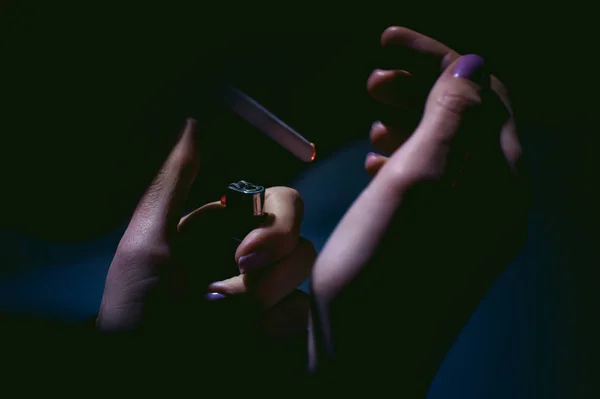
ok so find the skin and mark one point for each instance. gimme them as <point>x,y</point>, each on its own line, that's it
<point>148,289</point>
<point>155,227</point>
<point>443,215</point>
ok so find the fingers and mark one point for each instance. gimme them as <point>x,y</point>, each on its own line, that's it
<point>401,95</point>
<point>160,208</point>
<point>424,58</point>
<point>426,52</point>
<point>453,101</point>
<point>455,93</point>
<point>207,214</point>
<point>387,139</point>
<point>392,87</point>
<point>417,62</point>
<point>278,237</point>
<point>374,162</point>
<point>269,285</point>
<point>266,244</point>
<point>422,158</point>
<point>206,249</point>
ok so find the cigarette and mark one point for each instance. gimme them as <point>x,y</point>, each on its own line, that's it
<point>258,116</point>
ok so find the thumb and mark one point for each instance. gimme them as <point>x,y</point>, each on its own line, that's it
<point>453,104</point>
<point>159,210</point>
<point>145,246</point>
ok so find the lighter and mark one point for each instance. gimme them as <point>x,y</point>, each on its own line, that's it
<point>244,203</point>
<point>244,211</point>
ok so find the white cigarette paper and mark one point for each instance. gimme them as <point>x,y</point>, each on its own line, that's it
<point>259,117</point>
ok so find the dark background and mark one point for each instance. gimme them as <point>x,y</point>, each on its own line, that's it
<point>93,96</point>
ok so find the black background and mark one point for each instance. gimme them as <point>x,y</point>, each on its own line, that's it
<point>93,96</point>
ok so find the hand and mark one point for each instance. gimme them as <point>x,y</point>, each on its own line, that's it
<point>148,288</point>
<point>443,215</point>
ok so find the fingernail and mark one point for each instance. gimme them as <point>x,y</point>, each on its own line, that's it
<point>253,261</point>
<point>214,296</point>
<point>472,67</point>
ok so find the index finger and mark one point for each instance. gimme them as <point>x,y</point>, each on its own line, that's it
<point>276,238</point>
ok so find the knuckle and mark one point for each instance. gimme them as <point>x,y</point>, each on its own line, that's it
<point>288,193</point>
<point>291,196</point>
<point>457,102</point>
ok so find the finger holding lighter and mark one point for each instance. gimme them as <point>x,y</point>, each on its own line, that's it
<point>147,286</point>
<point>263,245</point>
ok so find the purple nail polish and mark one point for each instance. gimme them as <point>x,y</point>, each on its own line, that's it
<point>253,261</point>
<point>472,67</point>
<point>214,296</point>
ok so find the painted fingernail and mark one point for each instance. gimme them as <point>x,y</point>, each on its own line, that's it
<point>252,261</point>
<point>472,67</point>
<point>214,296</point>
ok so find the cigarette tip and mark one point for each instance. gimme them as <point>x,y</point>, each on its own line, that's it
<point>314,152</point>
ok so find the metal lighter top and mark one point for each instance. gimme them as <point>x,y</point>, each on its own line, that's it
<point>245,199</point>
